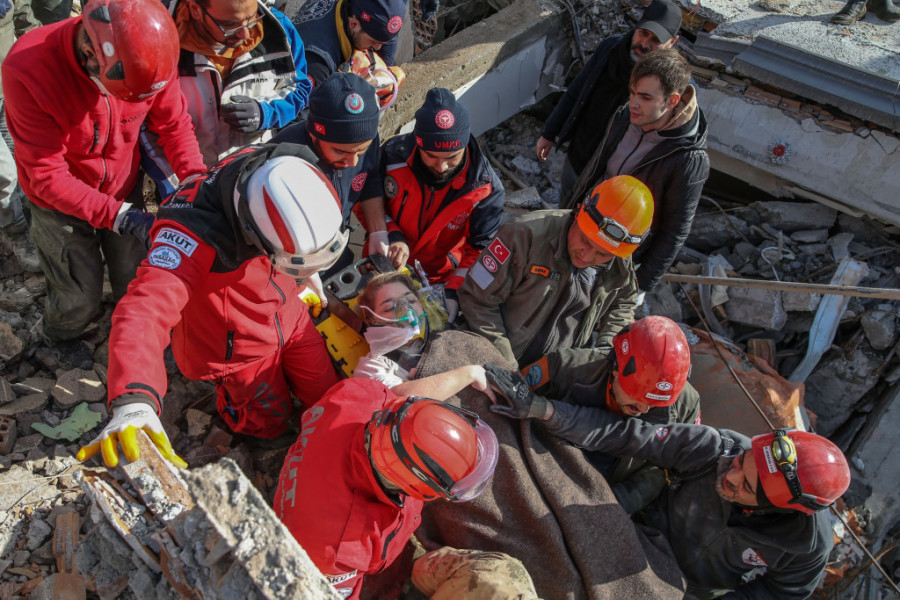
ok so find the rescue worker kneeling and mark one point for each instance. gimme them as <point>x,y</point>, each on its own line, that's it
<point>645,376</point>
<point>229,250</point>
<point>745,516</point>
<point>380,456</point>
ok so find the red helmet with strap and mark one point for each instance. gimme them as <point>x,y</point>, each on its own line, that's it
<point>652,360</point>
<point>136,44</point>
<point>800,470</point>
<point>430,449</point>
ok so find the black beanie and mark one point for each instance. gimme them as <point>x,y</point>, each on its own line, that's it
<point>343,109</point>
<point>442,124</point>
<point>380,19</point>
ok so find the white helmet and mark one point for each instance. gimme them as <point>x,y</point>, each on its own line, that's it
<point>296,215</point>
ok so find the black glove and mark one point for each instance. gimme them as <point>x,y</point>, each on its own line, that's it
<point>429,9</point>
<point>242,113</point>
<point>137,223</point>
<point>521,402</point>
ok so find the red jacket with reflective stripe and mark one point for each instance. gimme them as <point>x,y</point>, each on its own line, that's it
<point>445,228</point>
<point>219,297</point>
<point>327,494</point>
<point>76,147</point>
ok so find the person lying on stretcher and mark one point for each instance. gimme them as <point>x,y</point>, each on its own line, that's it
<point>398,328</point>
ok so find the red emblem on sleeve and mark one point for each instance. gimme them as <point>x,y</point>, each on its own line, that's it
<point>499,250</point>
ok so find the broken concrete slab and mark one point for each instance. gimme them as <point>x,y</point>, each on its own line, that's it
<point>835,388</point>
<point>76,386</point>
<point>8,435</point>
<point>25,404</point>
<point>225,542</point>
<point>34,385</point>
<point>800,301</point>
<point>810,236</point>
<point>11,345</point>
<point>795,216</point>
<point>711,231</point>
<point>756,307</point>
<point>527,198</point>
<point>880,326</point>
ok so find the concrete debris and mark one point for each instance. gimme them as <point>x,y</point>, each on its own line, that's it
<point>11,346</point>
<point>25,404</point>
<point>835,388</point>
<point>7,435</point>
<point>527,198</point>
<point>224,541</point>
<point>795,216</point>
<point>756,307</point>
<point>880,326</point>
<point>77,386</point>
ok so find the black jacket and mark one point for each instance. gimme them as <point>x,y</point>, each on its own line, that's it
<point>719,546</point>
<point>675,171</point>
<point>560,125</point>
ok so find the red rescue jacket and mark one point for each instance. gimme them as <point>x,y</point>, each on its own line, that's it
<point>328,496</point>
<point>76,147</point>
<point>445,228</point>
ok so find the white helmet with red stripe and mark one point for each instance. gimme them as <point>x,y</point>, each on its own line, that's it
<point>296,214</point>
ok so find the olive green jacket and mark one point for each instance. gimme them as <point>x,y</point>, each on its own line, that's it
<point>510,292</point>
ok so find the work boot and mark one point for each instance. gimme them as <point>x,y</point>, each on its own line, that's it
<point>852,12</point>
<point>885,10</point>
<point>16,239</point>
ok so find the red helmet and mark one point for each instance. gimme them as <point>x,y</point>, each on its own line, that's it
<point>136,44</point>
<point>431,449</point>
<point>800,470</point>
<point>653,360</point>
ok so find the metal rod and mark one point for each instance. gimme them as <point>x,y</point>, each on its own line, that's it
<point>787,286</point>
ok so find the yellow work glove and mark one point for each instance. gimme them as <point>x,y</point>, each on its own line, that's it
<point>122,430</point>
<point>314,295</point>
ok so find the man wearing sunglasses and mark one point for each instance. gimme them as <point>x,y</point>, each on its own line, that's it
<point>560,278</point>
<point>243,74</point>
<point>353,485</point>
<point>745,517</point>
<point>659,137</point>
<point>220,283</point>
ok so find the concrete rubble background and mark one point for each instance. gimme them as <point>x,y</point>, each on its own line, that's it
<point>48,411</point>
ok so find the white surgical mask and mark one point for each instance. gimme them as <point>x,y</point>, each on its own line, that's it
<point>387,338</point>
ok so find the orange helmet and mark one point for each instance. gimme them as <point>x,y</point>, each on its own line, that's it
<point>653,360</point>
<point>136,43</point>
<point>617,214</point>
<point>800,470</point>
<point>431,449</point>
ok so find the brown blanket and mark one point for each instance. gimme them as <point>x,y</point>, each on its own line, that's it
<point>546,505</point>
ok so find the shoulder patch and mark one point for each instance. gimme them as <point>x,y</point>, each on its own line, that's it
<point>390,187</point>
<point>164,257</point>
<point>358,182</point>
<point>539,270</point>
<point>490,263</point>
<point>184,243</point>
<point>480,275</point>
<point>537,373</point>
<point>499,250</point>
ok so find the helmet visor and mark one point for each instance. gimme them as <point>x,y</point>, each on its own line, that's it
<point>303,266</point>
<point>472,485</point>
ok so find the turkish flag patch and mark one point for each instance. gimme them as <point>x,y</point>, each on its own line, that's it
<point>319,128</point>
<point>499,250</point>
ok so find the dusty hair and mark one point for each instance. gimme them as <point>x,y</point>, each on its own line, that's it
<point>672,68</point>
<point>367,298</point>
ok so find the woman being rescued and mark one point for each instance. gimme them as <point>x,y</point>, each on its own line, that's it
<point>398,327</point>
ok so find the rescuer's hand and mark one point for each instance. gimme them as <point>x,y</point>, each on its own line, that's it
<point>136,222</point>
<point>399,254</point>
<point>242,113</point>
<point>378,242</point>
<point>517,401</point>
<point>122,430</point>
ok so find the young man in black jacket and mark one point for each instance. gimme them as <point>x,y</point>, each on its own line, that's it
<point>600,88</point>
<point>658,137</point>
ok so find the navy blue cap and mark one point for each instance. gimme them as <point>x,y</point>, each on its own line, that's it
<point>442,124</point>
<point>380,19</point>
<point>343,109</point>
